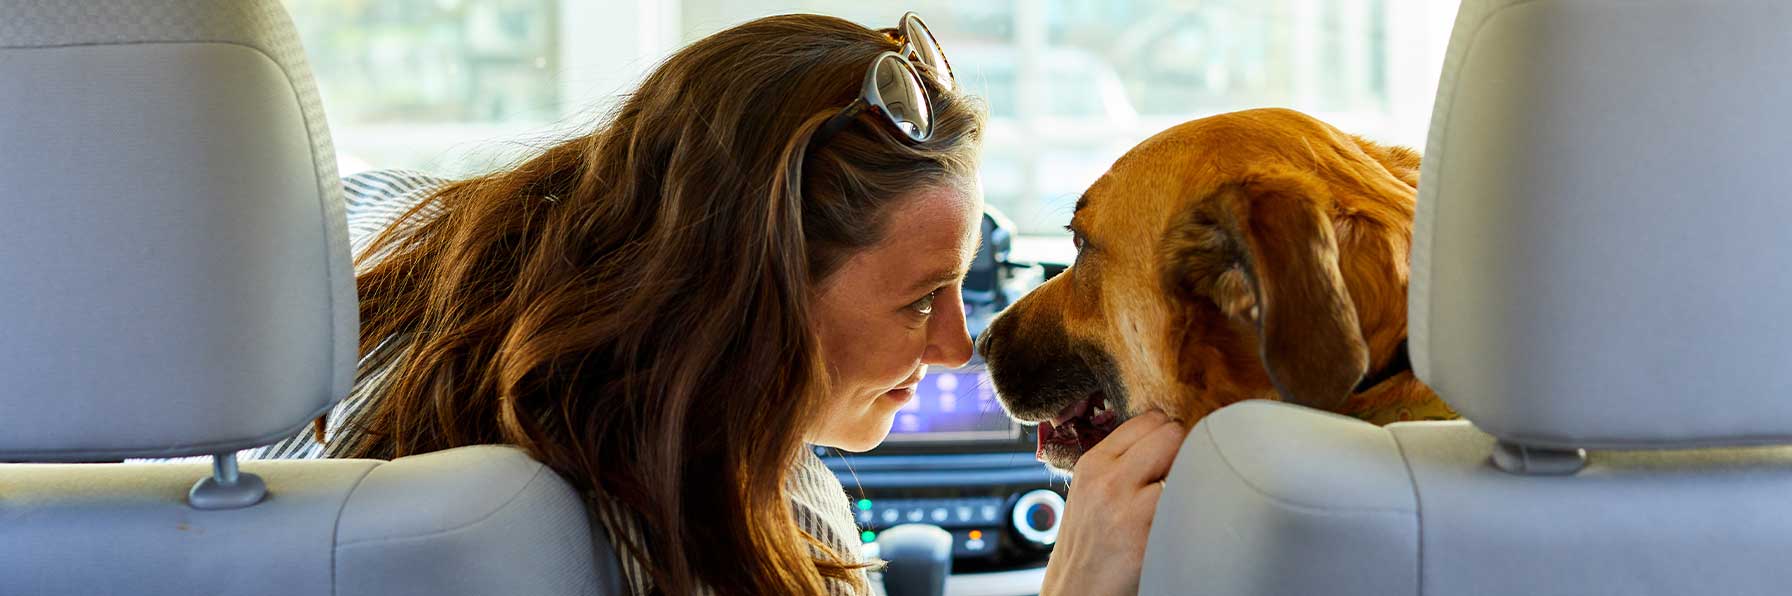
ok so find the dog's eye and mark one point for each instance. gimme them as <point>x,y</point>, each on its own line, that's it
<point>1076,239</point>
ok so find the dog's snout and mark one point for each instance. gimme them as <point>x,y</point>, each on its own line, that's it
<point>1033,364</point>
<point>988,341</point>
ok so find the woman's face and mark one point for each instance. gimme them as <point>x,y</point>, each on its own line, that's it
<point>894,308</point>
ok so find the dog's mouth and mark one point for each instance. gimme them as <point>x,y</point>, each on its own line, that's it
<point>1069,388</point>
<point>1076,429</point>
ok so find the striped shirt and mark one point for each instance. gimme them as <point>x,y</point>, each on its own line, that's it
<point>375,200</point>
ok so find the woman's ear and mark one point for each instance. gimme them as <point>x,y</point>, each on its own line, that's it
<point>1262,249</point>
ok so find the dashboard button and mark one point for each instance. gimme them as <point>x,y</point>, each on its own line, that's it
<point>974,542</point>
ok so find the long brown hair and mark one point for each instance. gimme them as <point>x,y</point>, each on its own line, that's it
<point>632,307</point>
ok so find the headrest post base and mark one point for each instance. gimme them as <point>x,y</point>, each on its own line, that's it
<point>226,488</point>
<point>1514,458</point>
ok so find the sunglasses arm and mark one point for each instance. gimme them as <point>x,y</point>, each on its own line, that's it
<point>838,122</point>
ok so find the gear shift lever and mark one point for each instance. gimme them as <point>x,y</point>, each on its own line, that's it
<point>920,557</point>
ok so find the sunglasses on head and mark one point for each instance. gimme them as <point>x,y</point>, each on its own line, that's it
<point>893,88</point>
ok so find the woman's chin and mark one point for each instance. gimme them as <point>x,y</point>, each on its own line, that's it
<point>870,437</point>
<point>857,446</point>
<point>864,437</point>
<point>871,427</point>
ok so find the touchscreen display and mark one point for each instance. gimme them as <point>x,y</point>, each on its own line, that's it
<point>954,405</point>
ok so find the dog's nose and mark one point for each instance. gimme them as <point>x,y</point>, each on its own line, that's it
<point>988,342</point>
<point>985,340</point>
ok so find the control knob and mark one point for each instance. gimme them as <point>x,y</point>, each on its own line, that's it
<point>1036,515</point>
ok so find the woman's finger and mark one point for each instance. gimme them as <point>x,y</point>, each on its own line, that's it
<point>1148,496</point>
<point>1148,460</point>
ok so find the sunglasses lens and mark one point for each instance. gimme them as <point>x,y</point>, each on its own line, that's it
<point>927,51</point>
<point>901,97</point>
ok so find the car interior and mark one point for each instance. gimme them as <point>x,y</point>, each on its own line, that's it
<point>1594,289</point>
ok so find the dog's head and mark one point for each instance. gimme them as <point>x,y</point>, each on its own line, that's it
<point>1257,254</point>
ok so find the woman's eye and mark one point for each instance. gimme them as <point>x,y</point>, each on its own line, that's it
<point>924,306</point>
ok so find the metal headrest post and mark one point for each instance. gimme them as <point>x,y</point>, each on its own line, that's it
<point>1514,458</point>
<point>227,488</point>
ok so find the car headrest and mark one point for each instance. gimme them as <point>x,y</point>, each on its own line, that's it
<point>1601,257</point>
<point>174,275</point>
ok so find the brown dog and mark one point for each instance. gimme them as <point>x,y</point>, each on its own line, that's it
<point>1256,254</point>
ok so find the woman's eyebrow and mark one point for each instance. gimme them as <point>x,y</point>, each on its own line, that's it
<point>938,278</point>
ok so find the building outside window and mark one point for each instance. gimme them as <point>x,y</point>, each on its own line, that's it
<point>458,87</point>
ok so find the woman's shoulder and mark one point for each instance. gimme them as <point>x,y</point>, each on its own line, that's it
<point>377,186</point>
<point>374,199</point>
<point>823,510</point>
<point>817,501</point>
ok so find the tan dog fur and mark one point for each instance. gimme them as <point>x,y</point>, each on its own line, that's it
<point>1256,254</point>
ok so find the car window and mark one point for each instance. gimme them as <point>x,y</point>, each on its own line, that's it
<point>458,87</point>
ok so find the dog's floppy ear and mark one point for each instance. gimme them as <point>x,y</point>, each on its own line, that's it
<point>1262,248</point>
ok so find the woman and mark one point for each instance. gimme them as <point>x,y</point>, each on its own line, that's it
<point>742,259</point>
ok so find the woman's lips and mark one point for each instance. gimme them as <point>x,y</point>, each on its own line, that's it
<point>906,391</point>
<point>900,394</point>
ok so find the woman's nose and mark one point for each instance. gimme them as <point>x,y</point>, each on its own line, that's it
<point>948,341</point>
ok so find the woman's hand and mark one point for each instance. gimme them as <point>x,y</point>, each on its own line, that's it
<point>1101,545</point>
